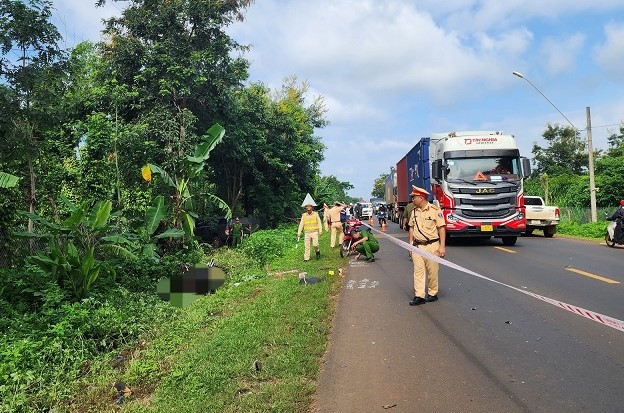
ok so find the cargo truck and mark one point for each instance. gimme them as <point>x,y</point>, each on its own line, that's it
<point>475,177</point>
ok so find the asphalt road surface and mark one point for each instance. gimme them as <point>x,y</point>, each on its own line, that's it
<point>483,347</point>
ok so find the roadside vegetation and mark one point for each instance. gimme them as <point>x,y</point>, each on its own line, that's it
<point>112,152</point>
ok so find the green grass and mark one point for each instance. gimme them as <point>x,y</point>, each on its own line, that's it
<point>203,361</point>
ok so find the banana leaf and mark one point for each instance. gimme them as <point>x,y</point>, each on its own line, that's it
<point>8,180</point>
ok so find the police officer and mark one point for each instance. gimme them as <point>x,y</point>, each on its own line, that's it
<point>237,233</point>
<point>311,226</point>
<point>364,243</point>
<point>335,224</point>
<point>427,232</point>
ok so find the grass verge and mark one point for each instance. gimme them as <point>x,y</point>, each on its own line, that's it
<point>253,346</point>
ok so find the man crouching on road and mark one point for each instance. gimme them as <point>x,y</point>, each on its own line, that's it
<point>427,232</point>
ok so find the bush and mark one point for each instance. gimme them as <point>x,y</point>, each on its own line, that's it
<point>267,245</point>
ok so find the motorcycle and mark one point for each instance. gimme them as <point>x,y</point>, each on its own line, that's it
<point>610,237</point>
<point>349,226</point>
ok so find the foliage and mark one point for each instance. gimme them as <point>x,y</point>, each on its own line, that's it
<point>266,246</point>
<point>44,353</point>
<point>379,187</point>
<point>564,155</point>
<point>201,360</point>
<point>588,230</point>
<point>616,143</point>
<point>8,180</point>
<point>573,190</point>
<point>74,246</point>
<point>270,156</point>
<point>328,189</point>
<point>183,213</point>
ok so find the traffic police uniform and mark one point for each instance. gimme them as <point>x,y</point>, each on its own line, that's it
<point>336,225</point>
<point>425,223</point>
<point>311,226</point>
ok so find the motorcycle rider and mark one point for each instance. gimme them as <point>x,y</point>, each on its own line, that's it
<point>618,217</point>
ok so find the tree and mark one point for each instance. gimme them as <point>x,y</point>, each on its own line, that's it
<point>270,155</point>
<point>328,189</point>
<point>564,154</point>
<point>33,83</point>
<point>616,143</point>
<point>379,187</point>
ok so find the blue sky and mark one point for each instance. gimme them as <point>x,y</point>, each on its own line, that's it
<point>393,71</point>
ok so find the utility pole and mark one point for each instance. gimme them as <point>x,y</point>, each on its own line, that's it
<point>592,181</point>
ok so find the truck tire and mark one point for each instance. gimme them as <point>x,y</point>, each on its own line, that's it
<point>529,231</point>
<point>550,231</point>
<point>509,241</point>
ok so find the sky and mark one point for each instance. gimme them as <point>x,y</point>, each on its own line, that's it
<point>393,71</point>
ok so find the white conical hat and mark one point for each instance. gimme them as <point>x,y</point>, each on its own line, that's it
<point>308,200</point>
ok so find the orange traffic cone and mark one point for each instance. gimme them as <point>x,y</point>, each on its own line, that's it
<point>383,227</point>
<point>371,222</point>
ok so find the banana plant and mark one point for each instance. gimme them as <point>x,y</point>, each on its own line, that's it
<point>8,180</point>
<point>144,237</point>
<point>75,243</point>
<point>184,215</point>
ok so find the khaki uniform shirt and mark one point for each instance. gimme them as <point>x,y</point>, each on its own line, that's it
<point>425,222</point>
<point>334,214</point>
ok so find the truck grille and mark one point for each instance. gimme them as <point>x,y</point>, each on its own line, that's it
<point>498,202</point>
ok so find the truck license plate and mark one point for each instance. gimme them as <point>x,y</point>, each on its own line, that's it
<point>535,222</point>
<point>487,227</point>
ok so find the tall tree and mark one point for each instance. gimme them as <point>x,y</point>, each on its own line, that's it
<point>379,187</point>
<point>271,155</point>
<point>564,154</point>
<point>32,67</point>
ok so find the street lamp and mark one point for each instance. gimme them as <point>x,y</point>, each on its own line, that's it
<point>592,182</point>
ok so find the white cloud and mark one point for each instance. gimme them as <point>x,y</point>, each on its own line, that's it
<point>560,55</point>
<point>610,54</point>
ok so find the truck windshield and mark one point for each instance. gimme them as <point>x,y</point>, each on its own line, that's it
<point>491,169</point>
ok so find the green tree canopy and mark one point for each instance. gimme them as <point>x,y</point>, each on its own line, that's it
<point>564,154</point>
<point>379,187</point>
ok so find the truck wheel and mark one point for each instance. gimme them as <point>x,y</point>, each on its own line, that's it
<point>529,231</point>
<point>509,241</point>
<point>550,231</point>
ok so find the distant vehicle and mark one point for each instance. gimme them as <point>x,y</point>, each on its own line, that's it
<point>366,210</point>
<point>540,216</point>
<point>376,203</point>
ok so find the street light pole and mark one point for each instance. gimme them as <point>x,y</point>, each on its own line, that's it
<point>592,184</point>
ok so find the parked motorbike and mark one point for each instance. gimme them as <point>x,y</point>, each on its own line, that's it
<point>349,226</point>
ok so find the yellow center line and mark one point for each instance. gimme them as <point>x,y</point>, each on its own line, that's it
<point>590,275</point>
<point>506,250</point>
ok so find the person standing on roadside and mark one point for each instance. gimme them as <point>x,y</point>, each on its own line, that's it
<point>335,224</point>
<point>428,233</point>
<point>311,226</point>
<point>237,233</point>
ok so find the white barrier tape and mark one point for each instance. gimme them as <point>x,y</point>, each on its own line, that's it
<point>597,317</point>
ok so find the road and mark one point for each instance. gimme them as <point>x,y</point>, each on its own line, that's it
<point>483,347</point>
